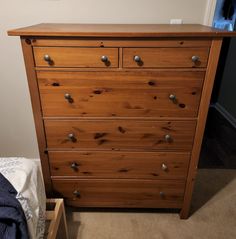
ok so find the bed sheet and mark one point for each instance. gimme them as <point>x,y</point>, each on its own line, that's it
<point>26,177</point>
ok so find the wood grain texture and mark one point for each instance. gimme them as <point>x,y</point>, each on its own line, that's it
<point>115,69</point>
<point>204,106</point>
<point>94,94</point>
<point>122,42</point>
<point>75,57</point>
<point>120,134</point>
<point>106,164</point>
<point>121,193</point>
<point>119,30</point>
<point>36,106</point>
<point>119,114</point>
<point>164,57</point>
<point>58,226</point>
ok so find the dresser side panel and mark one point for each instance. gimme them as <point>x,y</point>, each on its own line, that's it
<point>36,106</point>
<point>202,115</point>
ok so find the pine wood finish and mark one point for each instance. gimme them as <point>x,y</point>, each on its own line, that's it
<point>108,164</point>
<point>105,130</point>
<point>121,42</point>
<point>118,30</point>
<point>120,134</point>
<point>36,106</point>
<point>95,94</point>
<point>164,57</point>
<point>75,57</point>
<point>56,217</point>
<point>202,115</point>
<point>121,193</point>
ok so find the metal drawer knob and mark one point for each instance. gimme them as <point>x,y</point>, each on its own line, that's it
<point>48,59</point>
<point>74,166</point>
<point>162,194</point>
<point>72,137</point>
<point>195,59</point>
<point>104,59</point>
<point>168,138</point>
<point>77,193</point>
<point>164,167</point>
<point>69,98</point>
<point>172,97</point>
<point>137,59</point>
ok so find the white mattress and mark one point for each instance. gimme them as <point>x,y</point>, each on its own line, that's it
<point>26,177</point>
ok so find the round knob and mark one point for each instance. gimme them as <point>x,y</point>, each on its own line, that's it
<point>167,138</point>
<point>68,97</point>
<point>172,97</point>
<point>74,166</point>
<point>164,167</point>
<point>72,137</point>
<point>47,58</point>
<point>137,59</point>
<point>104,59</point>
<point>195,59</point>
<point>76,193</point>
<point>162,194</point>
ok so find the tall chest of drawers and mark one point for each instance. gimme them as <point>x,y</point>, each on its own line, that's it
<point>120,110</point>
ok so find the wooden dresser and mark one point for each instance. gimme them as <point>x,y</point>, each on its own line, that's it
<point>120,110</point>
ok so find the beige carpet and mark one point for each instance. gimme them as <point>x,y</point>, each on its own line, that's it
<point>213,215</point>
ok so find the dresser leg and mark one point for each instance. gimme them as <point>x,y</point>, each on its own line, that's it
<point>184,214</point>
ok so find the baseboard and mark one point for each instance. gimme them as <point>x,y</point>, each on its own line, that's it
<point>224,113</point>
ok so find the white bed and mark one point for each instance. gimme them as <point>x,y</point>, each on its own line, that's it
<point>26,177</point>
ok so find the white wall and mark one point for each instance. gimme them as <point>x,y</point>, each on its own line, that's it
<point>17,135</point>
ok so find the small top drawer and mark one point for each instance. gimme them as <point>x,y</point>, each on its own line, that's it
<point>165,57</point>
<point>75,57</point>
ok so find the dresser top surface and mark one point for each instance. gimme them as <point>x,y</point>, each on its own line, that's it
<point>119,30</point>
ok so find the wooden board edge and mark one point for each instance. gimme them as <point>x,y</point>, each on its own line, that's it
<point>202,116</point>
<point>37,113</point>
<point>57,219</point>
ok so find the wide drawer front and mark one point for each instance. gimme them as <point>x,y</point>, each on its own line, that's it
<point>106,164</point>
<point>120,134</point>
<point>75,57</point>
<point>165,57</point>
<point>121,94</point>
<point>121,193</point>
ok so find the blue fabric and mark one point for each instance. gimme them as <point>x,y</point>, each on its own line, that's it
<point>224,24</point>
<point>13,223</point>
